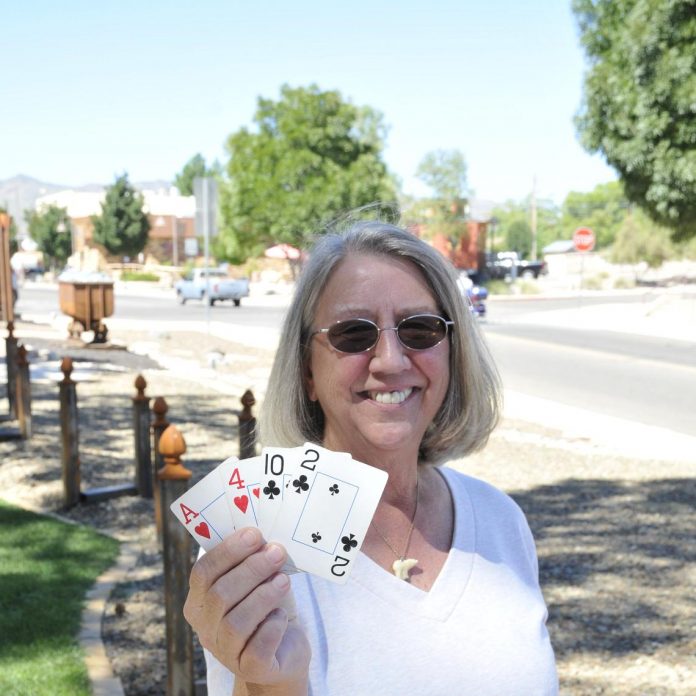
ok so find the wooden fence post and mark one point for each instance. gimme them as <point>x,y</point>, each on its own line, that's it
<point>176,552</point>
<point>70,436</point>
<point>23,393</point>
<point>141,431</point>
<point>247,427</point>
<point>159,425</point>
<point>11,360</point>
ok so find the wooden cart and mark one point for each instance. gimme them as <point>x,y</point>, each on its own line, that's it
<point>87,302</point>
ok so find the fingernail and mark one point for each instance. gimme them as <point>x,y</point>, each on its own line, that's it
<point>281,581</point>
<point>274,553</point>
<point>249,537</point>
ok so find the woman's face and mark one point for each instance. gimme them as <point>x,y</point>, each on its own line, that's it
<point>381,400</point>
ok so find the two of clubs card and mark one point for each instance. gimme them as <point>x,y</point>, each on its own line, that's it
<point>317,503</point>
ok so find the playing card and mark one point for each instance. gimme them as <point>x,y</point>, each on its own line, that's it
<point>327,509</point>
<point>204,512</point>
<point>277,465</point>
<point>241,481</point>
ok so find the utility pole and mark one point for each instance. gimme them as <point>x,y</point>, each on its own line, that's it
<point>533,221</point>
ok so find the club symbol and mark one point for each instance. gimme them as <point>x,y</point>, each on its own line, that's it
<point>271,490</point>
<point>349,542</point>
<point>334,489</point>
<point>300,484</point>
<point>315,537</point>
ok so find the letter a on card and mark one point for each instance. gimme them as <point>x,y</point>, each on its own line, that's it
<point>203,511</point>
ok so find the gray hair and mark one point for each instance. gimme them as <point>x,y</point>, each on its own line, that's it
<point>471,406</point>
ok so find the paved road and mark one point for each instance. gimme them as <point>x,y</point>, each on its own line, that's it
<point>647,379</point>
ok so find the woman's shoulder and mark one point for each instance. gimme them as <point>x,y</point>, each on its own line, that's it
<point>481,494</point>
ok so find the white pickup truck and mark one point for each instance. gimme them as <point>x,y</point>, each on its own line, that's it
<point>216,286</point>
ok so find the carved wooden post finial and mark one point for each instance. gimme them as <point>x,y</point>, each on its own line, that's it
<point>22,356</point>
<point>172,445</point>
<point>248,401</point>
<point>66,367</point>
<point>140,385</point>
<point>160,408</point>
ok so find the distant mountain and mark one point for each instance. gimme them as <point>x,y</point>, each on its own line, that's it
<point>20,193</point>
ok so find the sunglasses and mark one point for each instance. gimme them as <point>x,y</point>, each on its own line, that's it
<point>419,332</point>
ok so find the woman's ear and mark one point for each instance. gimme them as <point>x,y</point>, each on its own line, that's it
<point>309,382</point>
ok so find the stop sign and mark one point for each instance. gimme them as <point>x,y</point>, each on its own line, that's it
<point>583,239</point>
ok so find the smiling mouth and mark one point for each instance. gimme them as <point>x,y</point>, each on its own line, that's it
<point>393,397</point>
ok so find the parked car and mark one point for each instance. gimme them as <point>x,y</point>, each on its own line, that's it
<point>508,265</point>
<point>215,284</point>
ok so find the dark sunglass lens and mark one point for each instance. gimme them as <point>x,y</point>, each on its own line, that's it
<point>353,336</point>
<point>421,332</point>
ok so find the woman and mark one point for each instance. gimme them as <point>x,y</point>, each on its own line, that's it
<point>379,357</point>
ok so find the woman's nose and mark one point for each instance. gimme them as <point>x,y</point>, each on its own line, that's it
<point>389,355</point>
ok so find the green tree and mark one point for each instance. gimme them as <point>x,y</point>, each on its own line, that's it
<point>444,173</point>
<point>639,107</point>
<point>639,239</point>
<point>123,227</point>
<point>196,166</point>
<point>50,228</point>
<point>602,210</point>
<point>513,230</point>
<point>312,157</point>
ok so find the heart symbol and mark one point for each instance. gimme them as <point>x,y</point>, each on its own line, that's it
<point>202,529</point>
<point>256,492</point>
<point>242,502</point>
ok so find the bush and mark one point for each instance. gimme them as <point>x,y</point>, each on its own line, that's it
<point>135,275</point>
<point>498,287</point>
<point>623,283</point>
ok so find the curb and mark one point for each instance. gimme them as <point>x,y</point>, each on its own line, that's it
<point>101,676</point>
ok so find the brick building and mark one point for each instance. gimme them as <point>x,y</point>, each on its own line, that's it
<point>172,220</point>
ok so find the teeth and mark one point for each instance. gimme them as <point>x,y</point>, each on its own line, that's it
<point>395,397</point>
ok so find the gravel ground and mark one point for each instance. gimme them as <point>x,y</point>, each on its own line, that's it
<point>615,535</point>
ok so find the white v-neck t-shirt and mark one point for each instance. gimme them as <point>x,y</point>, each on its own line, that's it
<point>480,630</point>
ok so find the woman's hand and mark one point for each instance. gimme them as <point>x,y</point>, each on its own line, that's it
<point>235,606</point>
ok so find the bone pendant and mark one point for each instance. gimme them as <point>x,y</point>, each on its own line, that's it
<point>401,568</point>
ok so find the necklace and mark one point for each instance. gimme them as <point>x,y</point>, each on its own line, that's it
<point>402,565</point>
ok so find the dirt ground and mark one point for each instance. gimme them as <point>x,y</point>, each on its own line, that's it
<point>615,535</point>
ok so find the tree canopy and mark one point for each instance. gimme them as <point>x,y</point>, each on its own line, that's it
<point>639,107</point>
<point>312,156</point>
<point>196,166</point>
<point>602,210</point>
<point>51,230</point>
<point>123,227</point>
<point>513,230</point>
<point>444,172</point>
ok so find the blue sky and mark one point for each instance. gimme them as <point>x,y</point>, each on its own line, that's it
<point>90,90</point>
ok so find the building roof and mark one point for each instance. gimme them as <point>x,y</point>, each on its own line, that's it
<point>82,204</point>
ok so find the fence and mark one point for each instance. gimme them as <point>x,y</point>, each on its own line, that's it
<point>159,474</point>
<point>18,388</point>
